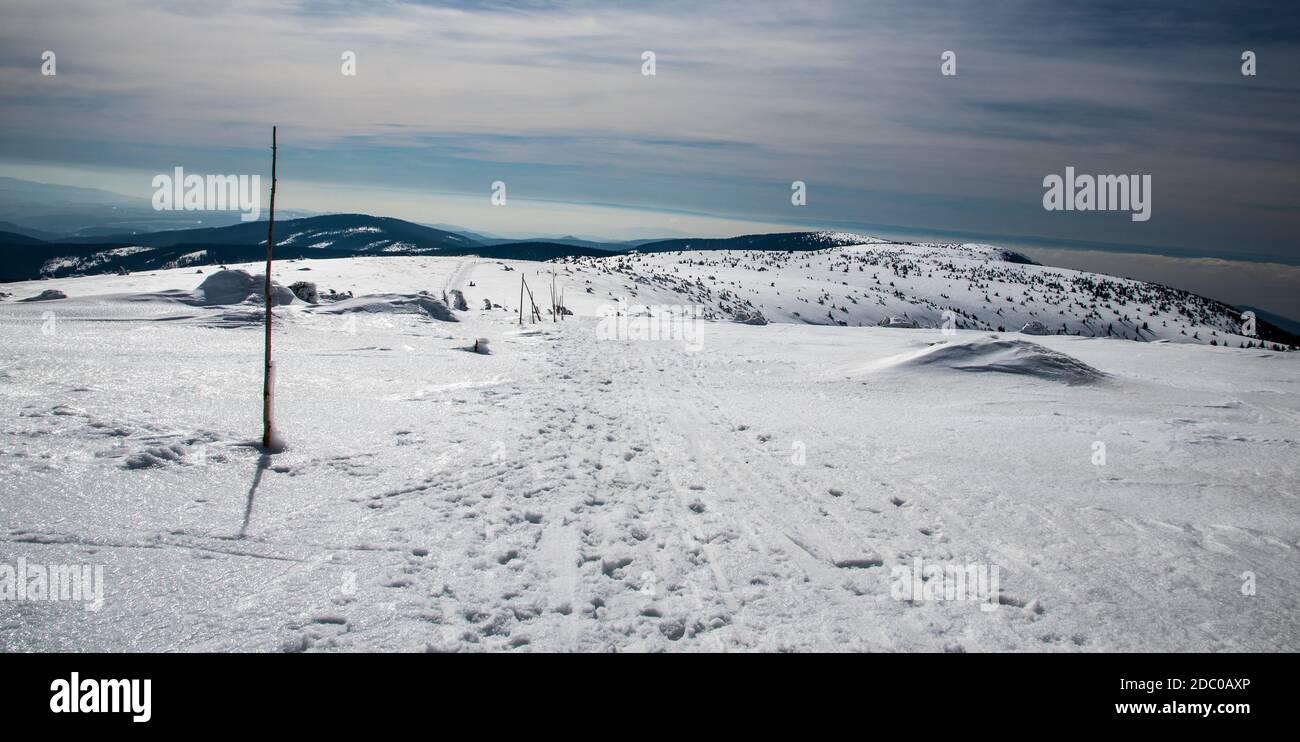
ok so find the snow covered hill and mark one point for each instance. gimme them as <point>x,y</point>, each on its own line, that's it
<point>811,277</point>
<point>660,481</point>
<point>924,285</point>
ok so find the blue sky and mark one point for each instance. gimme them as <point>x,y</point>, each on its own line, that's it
<point>549,98</point>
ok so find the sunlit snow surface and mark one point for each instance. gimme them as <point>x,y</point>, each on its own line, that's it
<point>731,488</point>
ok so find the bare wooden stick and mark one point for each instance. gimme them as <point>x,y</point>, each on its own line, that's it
<point>532,312</point>
<point>536,315</point>
<point>270,242</point>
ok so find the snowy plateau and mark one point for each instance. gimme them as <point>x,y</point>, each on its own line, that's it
<point>715,451</point>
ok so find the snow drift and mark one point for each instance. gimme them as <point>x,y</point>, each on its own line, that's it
<point>47,295</point>
<point>421,303</point>
<point>993,354</point>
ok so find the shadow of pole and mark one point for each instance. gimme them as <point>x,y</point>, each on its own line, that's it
<point>263,463</point>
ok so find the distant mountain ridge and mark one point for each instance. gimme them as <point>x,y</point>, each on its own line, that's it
<point>345,232</point>
<point>17,229</point>
<point>336,235</point>
<point>783,241</point>
<point>328,236</point>
<point>17,238</point>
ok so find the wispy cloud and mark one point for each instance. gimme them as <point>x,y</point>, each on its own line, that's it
<point>548,96</point>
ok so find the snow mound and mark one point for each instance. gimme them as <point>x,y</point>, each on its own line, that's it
<point>236,287</point>
<point>1034,327</point>
<point>903,322</point>
<point>421,303</point>
<point>1002,356</point>
<point>749,318</point>
<point>48,295</point>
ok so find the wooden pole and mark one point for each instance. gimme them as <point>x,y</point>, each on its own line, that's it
<point>521,298</point>
<point>266,376</point>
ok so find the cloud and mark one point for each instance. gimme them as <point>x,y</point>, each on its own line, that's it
<point>845,96</point>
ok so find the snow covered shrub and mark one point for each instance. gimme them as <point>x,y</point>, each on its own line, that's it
<point>329,295</point>
<point>305,290</point>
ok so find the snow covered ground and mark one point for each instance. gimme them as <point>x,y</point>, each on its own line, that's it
<point>645,483</point>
